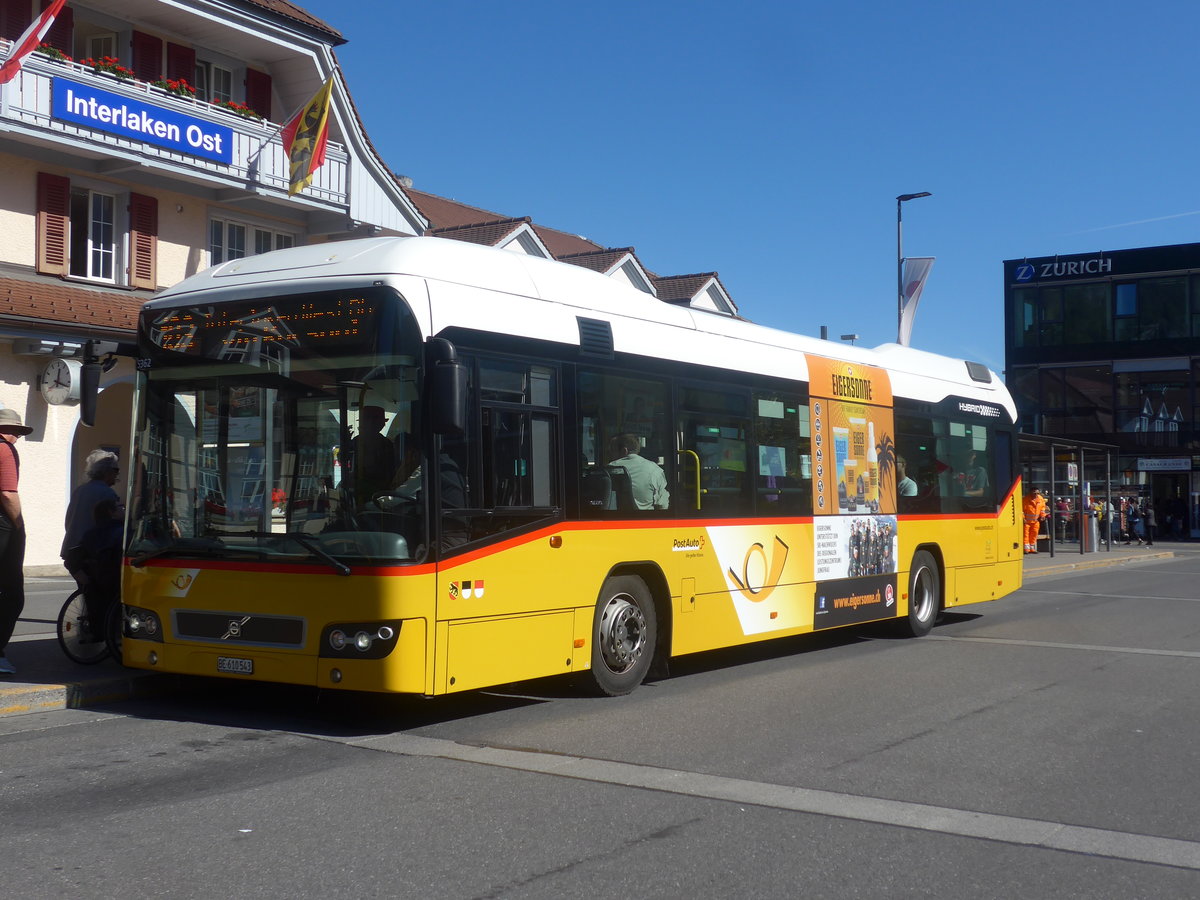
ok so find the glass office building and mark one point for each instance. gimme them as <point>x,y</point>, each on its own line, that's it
<point>1105,347</point>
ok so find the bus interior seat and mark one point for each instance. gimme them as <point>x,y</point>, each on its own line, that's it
<point>595,489</point>
<point>621,496</point>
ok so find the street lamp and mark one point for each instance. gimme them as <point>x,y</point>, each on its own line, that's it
<point>900,256</point>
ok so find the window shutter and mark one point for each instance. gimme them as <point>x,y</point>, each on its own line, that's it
<point>143,241</point>
<point>61,35</point>
<point>258,92</point>
<point>53,223</point>
<point>147,56</point>
<point>181,63</point>
<point>15,17</point>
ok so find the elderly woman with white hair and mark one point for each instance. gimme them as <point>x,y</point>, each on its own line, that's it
<point>102,468</point>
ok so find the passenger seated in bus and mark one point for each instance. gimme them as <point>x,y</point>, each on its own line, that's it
<point>646,478</point>
<point>905,486</point>
<point>973,480</point>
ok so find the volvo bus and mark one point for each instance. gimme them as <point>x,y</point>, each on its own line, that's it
<point>418,465</point>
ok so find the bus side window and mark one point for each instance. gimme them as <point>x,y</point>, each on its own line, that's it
<point>621,410</point>
<point>783,477</point>
<point>917,447</point>
<point>973,478</point>
<point>716,426</point>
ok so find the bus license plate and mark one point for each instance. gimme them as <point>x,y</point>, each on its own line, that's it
<point>235,666</point>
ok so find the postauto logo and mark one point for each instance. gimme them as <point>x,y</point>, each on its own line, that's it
<point>1025,272</point>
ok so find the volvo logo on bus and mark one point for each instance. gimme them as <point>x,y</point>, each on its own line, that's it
<point>234,629</point>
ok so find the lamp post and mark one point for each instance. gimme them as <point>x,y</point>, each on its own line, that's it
<point>900,255</point>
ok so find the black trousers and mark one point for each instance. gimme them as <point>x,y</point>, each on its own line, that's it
<point>12,579</point>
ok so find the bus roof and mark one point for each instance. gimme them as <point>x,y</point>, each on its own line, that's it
<point>545,299</point>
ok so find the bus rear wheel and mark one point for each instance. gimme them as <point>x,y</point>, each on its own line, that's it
<point>624,634</point>
<point>924,595</point>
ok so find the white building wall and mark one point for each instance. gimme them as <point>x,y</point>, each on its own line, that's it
<point>18,203</point>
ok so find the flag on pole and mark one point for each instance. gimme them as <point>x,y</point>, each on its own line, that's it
<point>305,136</point>
<point>916,272</point>
<point>28,42</point>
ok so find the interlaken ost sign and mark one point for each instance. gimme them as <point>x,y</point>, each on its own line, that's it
<point>112,113</point>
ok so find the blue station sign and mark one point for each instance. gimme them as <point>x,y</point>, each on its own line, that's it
<point>105,111</point>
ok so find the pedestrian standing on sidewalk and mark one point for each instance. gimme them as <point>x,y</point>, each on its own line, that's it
<point>12,533</point>
<point>102,468</point>
<point>1034,510</point>
<point>1135,523</point>
<point>1151,524</point>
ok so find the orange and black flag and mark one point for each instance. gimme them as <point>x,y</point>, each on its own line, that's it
<point>305,136</point>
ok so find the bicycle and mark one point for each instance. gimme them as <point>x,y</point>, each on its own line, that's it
<point>78,636</point>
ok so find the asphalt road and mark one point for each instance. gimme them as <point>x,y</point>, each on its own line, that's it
<point>1042,746</point>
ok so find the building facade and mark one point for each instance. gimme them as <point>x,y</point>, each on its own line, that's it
<point>1105,347</point>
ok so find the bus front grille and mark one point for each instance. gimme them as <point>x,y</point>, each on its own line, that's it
<point>238,628</point>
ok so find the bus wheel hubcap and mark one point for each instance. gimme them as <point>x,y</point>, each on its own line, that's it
<point>922,594</point>
<point>622,633</point>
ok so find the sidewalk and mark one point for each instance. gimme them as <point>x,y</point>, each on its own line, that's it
<point>1067,557</point>
<point>47,680</point>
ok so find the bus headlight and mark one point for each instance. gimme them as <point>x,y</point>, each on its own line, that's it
<point>360,640</point>
<point>142,624</point>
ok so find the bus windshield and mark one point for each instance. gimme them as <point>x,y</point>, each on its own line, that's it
<point>281,428</point>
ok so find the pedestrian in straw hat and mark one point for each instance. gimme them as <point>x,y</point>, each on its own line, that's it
<point>12,533</point>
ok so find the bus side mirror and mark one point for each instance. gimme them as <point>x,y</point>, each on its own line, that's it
<point>89,389</point>
<point>448,388</point>
<point>93,367</point>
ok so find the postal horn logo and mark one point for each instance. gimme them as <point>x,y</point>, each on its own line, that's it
<point>773,569</point>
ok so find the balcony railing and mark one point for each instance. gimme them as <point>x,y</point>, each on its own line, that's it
<point>259,164</point>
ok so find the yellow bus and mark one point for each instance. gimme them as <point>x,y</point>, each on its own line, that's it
<point>418,465</point>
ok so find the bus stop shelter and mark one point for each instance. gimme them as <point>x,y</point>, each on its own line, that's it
<point>1079,473</point>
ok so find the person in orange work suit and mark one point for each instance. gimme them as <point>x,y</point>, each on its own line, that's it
<point>1035,511</point>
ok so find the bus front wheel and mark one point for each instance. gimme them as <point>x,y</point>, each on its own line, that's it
<point>924,595</point>
<point>624,633</point>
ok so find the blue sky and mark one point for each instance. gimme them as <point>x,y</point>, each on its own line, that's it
<point>768,141</point>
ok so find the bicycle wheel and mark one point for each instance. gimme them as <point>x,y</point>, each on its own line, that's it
<point>80,640</point>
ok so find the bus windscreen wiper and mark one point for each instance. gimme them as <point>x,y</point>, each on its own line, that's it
<point>177,544</point>
<point>306,541</point>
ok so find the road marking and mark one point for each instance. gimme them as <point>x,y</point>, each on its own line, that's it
<point>52,719</point>
<point>1054,645</point>
<point>1109,596</point>
<point>942,820</point>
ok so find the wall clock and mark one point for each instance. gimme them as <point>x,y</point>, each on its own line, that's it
<point>60,381</point>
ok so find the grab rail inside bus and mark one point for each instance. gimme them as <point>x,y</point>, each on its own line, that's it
<point>696,459</point>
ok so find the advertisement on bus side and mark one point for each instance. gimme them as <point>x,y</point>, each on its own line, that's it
<point>855,536</point>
